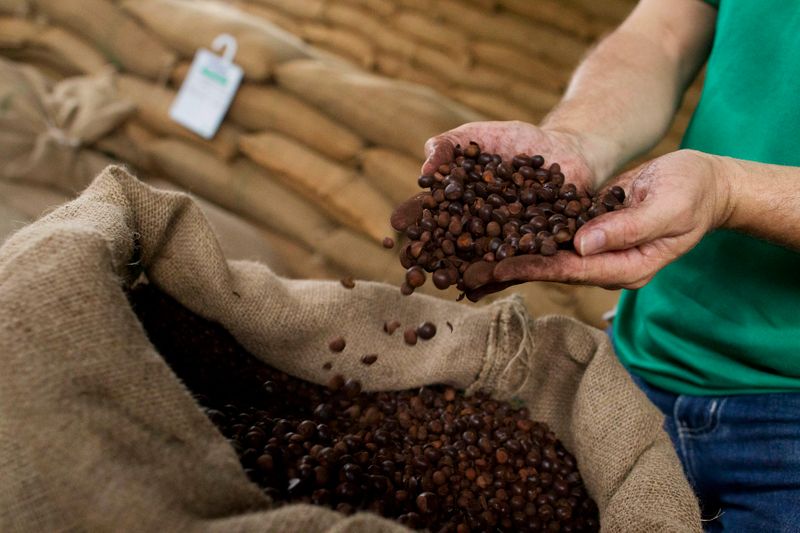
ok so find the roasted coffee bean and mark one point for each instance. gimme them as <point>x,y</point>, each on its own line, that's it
<point>391,327</point>
<point>426,330</point>
<point>415,277</point>
<point>348,282</point>
<point>337,344</point>
<point>369,359</point>
<point>410,336</point>
<point>441,278</point>
<point>493,200</point>
<point>388,242</point>
<point>430,457</point>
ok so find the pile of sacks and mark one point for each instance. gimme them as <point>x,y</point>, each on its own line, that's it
<point>314,151</point>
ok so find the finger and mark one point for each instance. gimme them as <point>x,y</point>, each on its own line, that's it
<point>438,151</point>
<point>624,229</point>
<point>478,274</point>
<point>613,269</point>
<point>407,213</point>
<point>491,288</point>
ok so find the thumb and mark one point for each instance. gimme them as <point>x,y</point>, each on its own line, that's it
<point>620,230</point>
<point>438,151</point>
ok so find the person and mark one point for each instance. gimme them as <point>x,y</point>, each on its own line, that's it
<point>708,244</point>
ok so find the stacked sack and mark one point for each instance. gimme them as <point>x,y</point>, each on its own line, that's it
<point>315,150</point>
<point>509,59</point>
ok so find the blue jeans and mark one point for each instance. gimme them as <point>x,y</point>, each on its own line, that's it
<point>741,455</point>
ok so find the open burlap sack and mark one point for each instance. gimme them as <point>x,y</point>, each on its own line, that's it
<point>45,127</point>
<point>99,435</point>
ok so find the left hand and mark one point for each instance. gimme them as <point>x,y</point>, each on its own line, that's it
<point>673,201</point>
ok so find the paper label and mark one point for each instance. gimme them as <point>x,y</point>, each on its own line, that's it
<point>206,93</point>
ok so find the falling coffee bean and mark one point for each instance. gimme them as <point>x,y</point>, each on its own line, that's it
<point>369,359</point>
<point>348,282</point>
<point>337,344</point>
<point>410,336</point>
<point>391,327</point>
<point>430,458</point>
<point>388,242</point>
<point>426,330</point>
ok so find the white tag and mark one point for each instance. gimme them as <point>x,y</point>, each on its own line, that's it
<point>208,89</point>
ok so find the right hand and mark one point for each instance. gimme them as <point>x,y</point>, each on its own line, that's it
<point>506,139</point>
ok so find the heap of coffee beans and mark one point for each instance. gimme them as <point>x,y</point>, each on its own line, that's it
<point>430,458</point>
<point>481,208</point>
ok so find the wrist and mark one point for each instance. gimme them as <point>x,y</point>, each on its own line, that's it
<point>600,155</point>
<point>727,174</point>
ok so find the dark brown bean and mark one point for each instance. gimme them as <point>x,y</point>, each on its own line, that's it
<point>337,344</point>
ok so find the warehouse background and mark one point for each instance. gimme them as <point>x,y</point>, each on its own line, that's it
<point>325,135</point>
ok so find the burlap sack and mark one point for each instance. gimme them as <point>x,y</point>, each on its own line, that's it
<point>152,108</point>
<point>191,24</point>
<point>260,107</point>
<point>71,53</point>
<point>339,41</point>
<point>543,41</point>
<point>520,64</point>
<point>98,435</point>
<point>310,9</point>
<point>338,191</point>
<point>386,112</point>
<point>241,187</point>
<point>114,34</point>
<point>425,29</point>
<point>496,106</point>
<point>274,16</point>
<point>15,7</point>
<point>44,127</point>
<point>383,8</point>
<point>391,172</point>
<point>559,14</point>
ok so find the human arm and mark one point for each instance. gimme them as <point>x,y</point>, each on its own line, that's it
<point>619,103</point>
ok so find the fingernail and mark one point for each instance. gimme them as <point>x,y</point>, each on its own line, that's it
<point>592,242</point>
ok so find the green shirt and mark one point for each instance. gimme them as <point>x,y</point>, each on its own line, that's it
<point>725,318</point>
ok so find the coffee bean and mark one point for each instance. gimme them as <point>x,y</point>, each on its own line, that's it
<point>369,359</point>
<point>348,282</point>
<point>410,336</point>
<point>388,242</point>
<point>391,327</point>
<point>415,277</point>
<point>430,457</point>
<point>327,366</point>
<point>337,344</point>
<point>426,330</point>
<point>618,192</point>
<point>427,502</point>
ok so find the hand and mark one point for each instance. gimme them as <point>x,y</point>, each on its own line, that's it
<point>672,202</point>
<point>506,139</point>
<point>510,138</point>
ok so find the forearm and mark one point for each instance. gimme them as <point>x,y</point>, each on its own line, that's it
<point>623,97</point>
<point>763,200</point>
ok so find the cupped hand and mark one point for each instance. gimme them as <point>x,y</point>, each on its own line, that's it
<point>507,139</point>
<point>672,202</point>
